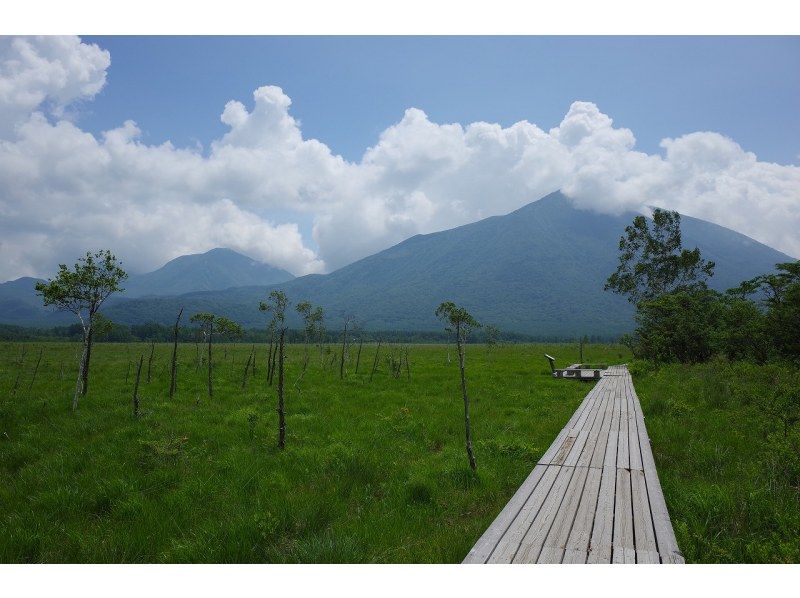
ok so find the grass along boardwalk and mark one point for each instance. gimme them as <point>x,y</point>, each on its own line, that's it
<point>593,497</point>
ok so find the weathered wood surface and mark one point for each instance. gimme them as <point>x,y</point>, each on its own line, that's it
<point>593,497</point>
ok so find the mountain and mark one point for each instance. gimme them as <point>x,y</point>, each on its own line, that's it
<point>539,270</point>
<point>214,270</point>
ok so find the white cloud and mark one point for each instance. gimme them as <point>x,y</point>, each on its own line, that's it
<point>58,69</point>
<point>63,190</point>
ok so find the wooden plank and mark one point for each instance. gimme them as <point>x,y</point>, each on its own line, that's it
<point>633,434</point>
<point>610,459</point>
<point>595,438</point>
<point>558,535</point>
<point>583,434</point>
<point>603,530</point>
<point>577,546</point>
<point>574,557</point>
<point>485,545</point>
<point>565,440</point>
<point>557,443</point>
<point>665,536</point>
<point>509,543</point>
<point>532,542</point>
<point>598,500</point>
<point>623,454</point>
<point>624,550</point>
<point>603,437</point>
<point>643,530</point>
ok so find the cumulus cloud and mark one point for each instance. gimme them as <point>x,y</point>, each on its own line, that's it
<point>63,190</point>
<point>60,70</point>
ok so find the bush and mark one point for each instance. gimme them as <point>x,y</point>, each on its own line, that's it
<point>679,326</point>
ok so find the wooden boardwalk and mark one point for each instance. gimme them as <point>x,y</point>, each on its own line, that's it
<point>593,497</point>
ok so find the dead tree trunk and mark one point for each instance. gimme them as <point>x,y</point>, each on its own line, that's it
<point>375,363</point>
<point>210,335</point>
<point>36,369</point>
<point>344,345</point>
<point>136,387</point>
<point>358,357</point>
<point>150,360</point>
<point>174,365</point>
<point>467,428</point>
<point>281,410</point>
<point>246,370</point>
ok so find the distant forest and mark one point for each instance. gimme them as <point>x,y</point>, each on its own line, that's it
<point>122,333</point>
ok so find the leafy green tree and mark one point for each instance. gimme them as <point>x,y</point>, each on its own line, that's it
<point>460,322</point>
<point>678,326</point>
<point>276,304</point>
<point>209,326</point>
<point>82,290</point>
<point>652,261</point>
<point>780,295</point>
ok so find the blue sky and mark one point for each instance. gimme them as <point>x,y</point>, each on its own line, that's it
<point>268,140</point>
<point>346,90</point>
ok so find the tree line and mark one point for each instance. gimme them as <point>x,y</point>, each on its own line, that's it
<point>679,319</point>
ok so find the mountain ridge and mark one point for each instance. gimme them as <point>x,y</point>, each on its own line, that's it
<point>538,270</point>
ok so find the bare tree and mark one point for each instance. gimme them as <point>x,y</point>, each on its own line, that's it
<point>276,304</point>
<point>211,325</point>
<point>174,365</point>
<point>82,291</point>
<point>460,321</point>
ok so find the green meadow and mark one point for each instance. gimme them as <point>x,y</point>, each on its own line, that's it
<point>373,471</point>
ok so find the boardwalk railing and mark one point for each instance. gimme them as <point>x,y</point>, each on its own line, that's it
<point>593,497</point>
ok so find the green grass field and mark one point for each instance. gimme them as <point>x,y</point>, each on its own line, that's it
<point>372,471</point>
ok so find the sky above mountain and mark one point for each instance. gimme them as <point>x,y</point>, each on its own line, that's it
<point>158,147</point>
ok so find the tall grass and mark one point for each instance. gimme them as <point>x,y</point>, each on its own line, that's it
<point>730,474</point>
<point>372,472</point>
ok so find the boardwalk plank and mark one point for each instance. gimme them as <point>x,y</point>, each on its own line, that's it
<point>556,540</point>
<point>624,550</point>
<point>623,454</point>
<point>532,542</point>
<point>581,533</point>
<point>484,546</point>
<point>594,496</point>
<point>603,532</point>
<point>509,543</point>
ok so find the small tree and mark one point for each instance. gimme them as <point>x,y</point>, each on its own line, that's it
<point>276,304</point>
<point>652,261</point>
<point>460,322</point>
<point>209,326</point>
<point>82,291</point>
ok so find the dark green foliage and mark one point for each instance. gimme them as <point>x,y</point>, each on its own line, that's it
<point>652,261</point>
<point>678,326</point>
